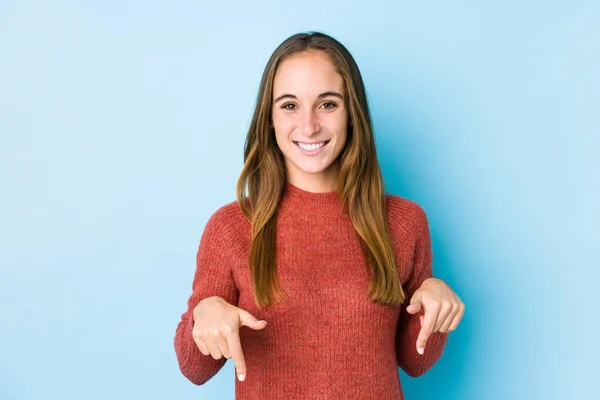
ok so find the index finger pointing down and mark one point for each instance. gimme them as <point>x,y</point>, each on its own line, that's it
<point>429,320</point>
<point>235,346</point>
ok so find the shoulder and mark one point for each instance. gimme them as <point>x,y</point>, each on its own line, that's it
<point>228,220</point>
<point>405,215</point>
<point>228,212</point>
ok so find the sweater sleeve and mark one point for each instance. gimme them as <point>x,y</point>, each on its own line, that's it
<point>409,325</point>
<point>213,277</point>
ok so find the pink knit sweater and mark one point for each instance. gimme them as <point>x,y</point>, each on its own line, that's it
<point>327,340</point>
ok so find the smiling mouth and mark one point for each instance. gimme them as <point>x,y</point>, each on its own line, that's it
<point>312,146</point>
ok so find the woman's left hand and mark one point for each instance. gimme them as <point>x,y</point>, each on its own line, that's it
<point>442,308</point>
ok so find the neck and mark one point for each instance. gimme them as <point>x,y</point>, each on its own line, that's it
<point>309,203</point>
<point>323,182</point>
<point>314,187</point>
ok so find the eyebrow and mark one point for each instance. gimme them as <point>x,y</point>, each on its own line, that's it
<point>322,95</point>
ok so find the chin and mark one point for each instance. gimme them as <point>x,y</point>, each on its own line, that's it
<point>313,169</point>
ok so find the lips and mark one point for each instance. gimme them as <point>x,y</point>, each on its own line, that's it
<point>311,148</point>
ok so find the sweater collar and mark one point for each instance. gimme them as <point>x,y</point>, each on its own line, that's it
<point>299,200</point>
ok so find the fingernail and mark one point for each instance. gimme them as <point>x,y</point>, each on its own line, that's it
<point>421,350</point>
<point>241,377</point>
<point>262,320</point>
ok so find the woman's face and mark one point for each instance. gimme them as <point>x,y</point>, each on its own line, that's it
<point>310,119</point>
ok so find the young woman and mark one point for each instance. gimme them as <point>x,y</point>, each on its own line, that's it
<point>340,270</point>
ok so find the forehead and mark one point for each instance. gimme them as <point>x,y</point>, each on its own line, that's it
<point>307,73</point>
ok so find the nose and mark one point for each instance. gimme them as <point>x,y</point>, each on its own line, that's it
<point>310,123</point>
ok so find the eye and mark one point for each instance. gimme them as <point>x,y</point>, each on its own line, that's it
<point>329,105</point>
<point>286,106</point>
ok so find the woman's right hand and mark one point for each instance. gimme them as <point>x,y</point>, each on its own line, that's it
<point>216,330</point>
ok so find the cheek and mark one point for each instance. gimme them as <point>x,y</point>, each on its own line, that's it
<point>342,139</point>
<point>341,127</point>
<point>283,125</point>
<point>282,138</point>
<point>279,130</point>
<point>341,143</point>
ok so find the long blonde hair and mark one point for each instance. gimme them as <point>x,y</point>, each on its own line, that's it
<point>360,183</point>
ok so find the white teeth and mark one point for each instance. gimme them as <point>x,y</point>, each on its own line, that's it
<point>311,147</point>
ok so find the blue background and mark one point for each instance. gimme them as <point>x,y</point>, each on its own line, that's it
<point>122,128</point>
